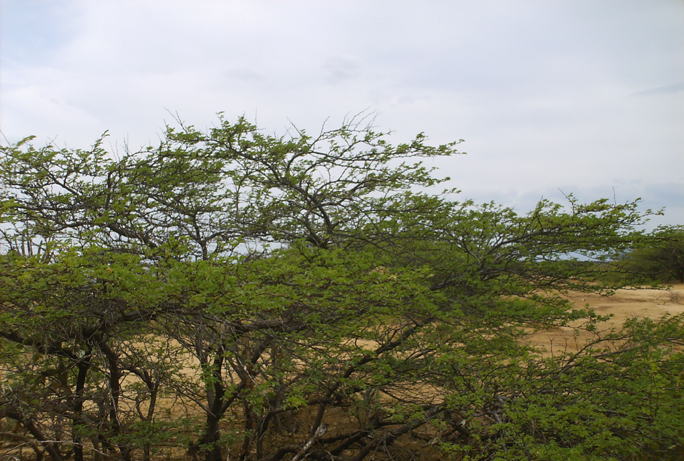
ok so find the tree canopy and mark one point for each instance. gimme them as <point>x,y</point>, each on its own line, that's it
<point>661,258</point>
<point>233,294</point>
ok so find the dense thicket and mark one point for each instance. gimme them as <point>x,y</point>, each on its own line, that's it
<point>661,259</point>
<point>235,295</point>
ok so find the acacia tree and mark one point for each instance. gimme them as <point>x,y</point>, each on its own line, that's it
<point>662,258</point>
<point>312,303</point>
<point>75,372</point>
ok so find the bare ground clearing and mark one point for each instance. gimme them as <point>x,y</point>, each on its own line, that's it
<point>623,305</point>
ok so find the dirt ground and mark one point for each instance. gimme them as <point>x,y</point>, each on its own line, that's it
<point>623,305</point>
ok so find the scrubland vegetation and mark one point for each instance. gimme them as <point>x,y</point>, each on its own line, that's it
<point>235,295</point>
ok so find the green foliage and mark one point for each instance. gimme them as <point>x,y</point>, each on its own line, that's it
<point>272,297</point>
<point>600,403</point>
<point>662,259</point>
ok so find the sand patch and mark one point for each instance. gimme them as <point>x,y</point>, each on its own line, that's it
<point>623,305</point>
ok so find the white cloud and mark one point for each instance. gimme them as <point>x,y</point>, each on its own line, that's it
<point>545,93</point>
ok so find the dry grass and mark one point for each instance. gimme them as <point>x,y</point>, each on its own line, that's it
<point>622,306</point>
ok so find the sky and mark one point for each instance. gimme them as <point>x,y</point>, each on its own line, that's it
<point>552,97</point>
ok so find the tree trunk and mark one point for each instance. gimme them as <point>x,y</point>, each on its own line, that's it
<point>83,368</point>
<point>211,438</point>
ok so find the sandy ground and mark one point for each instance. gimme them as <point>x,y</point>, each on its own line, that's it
<point>623,305</point>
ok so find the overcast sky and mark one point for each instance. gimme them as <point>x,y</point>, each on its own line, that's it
<point>581,96</point>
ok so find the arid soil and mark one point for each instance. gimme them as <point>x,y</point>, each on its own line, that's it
<point>623,305</point>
